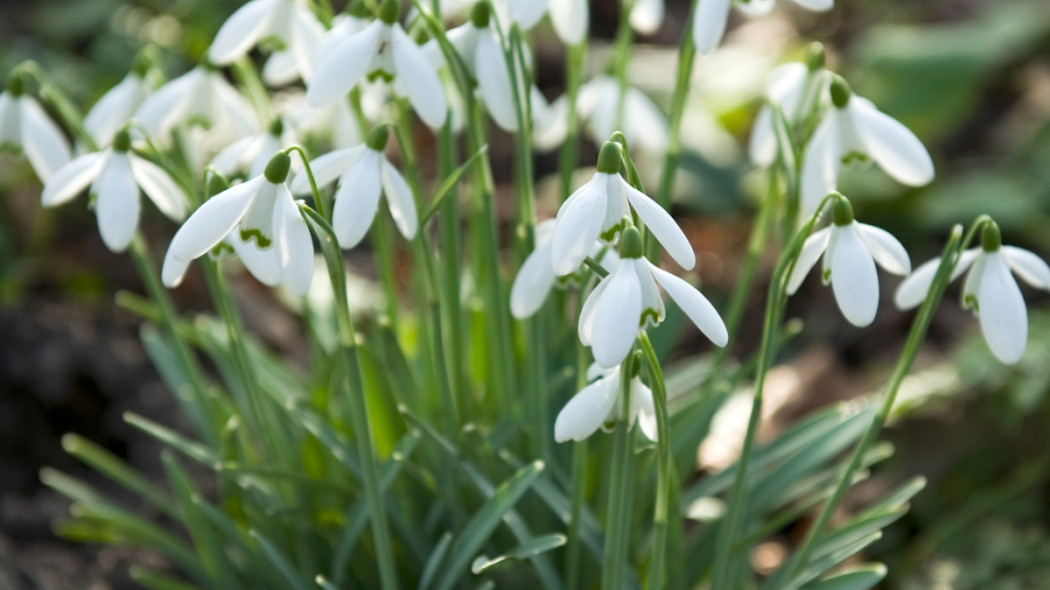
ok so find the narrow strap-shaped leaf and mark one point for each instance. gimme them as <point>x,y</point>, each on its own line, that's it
<point>180,443</point>
<point>435,561</point>
<point>450,183</point>
<point>862,578</point>
<point>151,580</point>
<point>288,571</point>
<point>530,548</point>
<point>114,468</point>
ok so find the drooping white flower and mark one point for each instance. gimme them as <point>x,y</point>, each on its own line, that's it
<point>25,127</point>
<point>628,300</point>
<point>596,211</point>
<point>364,175</point>
<point>643,123</point>
<point>850,251</point>
<point>382,49</point>
<point>599,403</point>
<point>116,175</point>
<point>795,88</point>
<point>989,290</point>
<point>854,129</point>
<point>253,152</point>
<point>647,16</point>
<point>290,22</point>
<point>570,19</point>
<point>526,13</point>
<point>709,20</point>
<point>536,276</point>
<point>260,221</point>
<point>117,107</point>
<point>199,97</point>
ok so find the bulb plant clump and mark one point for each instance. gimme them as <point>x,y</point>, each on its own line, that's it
<point>523,406</point>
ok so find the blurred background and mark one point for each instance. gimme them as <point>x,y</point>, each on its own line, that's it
<point>970,77</point>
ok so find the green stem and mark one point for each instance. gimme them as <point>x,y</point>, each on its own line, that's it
<point>622,57</point>
<point>618,519</point>
<point>686,55</point>
<point>579,477</point>
<point>664,465</point>
<point>450,257</point>
<point>570,149</point>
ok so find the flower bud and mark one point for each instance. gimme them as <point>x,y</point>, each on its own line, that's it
<point>276,128</point>
<point>480,14</point>
<point>217,183</point>
<point>122,140</point>
<point>842,211</point>
<point>609,158</point>
<point>377,138</point>
<point>389,11</point>
<point>991,237</point>
<point>277,169</point>
<point>630,243</point>
<point>358,9</point>
<point>840,92</point>
<point>16,86</point>
<point>815,58</point>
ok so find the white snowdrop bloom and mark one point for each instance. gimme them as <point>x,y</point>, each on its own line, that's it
<point>26,128</point>
<point>252,153</point>
<point>536,276</point>
<point>989,290</point>
<point>628,300</point>
<point>117,106</point>
<point>260,221</point>
<point>290,22</point>
<point>794,87</point>
<point>364,175</point>
<point>853,129</point>
<point>644,124</point>
<point>383,49</point>
<point>199,97</point>
<point>850,251</point>
<point>596,211</point>
<point>646,16</point>
<point>116,175</point>
<point>599,404</point>
<point>570,19</point>
<point>526,13</point>
<point>335,122</point>
<point>709,20</point>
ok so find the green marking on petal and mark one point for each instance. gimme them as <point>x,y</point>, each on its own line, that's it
<point>649,315</point>
<point>610,234</point>
<point>261,241</point>
<point>222,248</point>
<point>970,302</point>
<point>827,276</point>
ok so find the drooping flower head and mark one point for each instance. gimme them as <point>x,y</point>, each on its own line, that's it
<point>709,20</point>
<point>795,88</point>
<point>990,290</point>
<point>290,23</point>
<point>253,153</point>
<point>600,403</point>
<point>202,97</point>
<point>364,174</point>
<point>383,49</point>
<point>850,251</point>
<point>117,106</point>
<point>26,128</point>
<point>853,129</point>
<point>259,217</point>
<point>628,300</point>
<point>116,175</point>
<point>597,210</point>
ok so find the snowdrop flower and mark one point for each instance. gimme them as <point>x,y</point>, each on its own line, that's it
<point>794,87</point>
<point>116,175</point>
<point>850,251</point>
<point>599,403</point>
<point>260,221</point>
<point>989,290</point>
<point>118,105</point>
<point>855,130</point>
<point>200,96</point>
<point>709,20</point>
<point>646,16</point>
<point>289,21</point>
<point>596,211</point>
<point>526,13</point>
<point>25,127</point>
<point>252,153</point>
<point>385,50</point>
<point>628,300</point>
<point>364,175</point>
<point>570,19</point>
<point>536,276</point>
<point>644,124</point>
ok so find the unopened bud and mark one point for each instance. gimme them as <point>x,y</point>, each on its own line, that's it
<point>277,169</point>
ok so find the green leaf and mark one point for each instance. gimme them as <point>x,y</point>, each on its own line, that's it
<point>114,468</point>
<point>154,581</point>
<point>191,449</point>
<point>450,183</point>
<point>288,571</point>
<point>861,578</point>
<point>435,561</point>
<point>530,548</point>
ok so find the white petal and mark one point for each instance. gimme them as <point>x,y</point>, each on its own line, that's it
<point>235,109</point>
<point>115,108</point>
<point>72,178</point>
<point>579,222</point>
<point>307,36</point>
<point>586,411</point>
<point>662,226</point>
<point>886,249</point>
<point>813,247</point>
<point>550,130</point>
<point>533,283</point>
<point>399,200</point>
<point>570,18</point>
<point>694,304</point>
<point>494,81</point>
<point>236,156</point>
<point>326,169</point>
<point>357,200</point>
<point>756,8</point>
<point>117,203</point>
<point>913,290</point>
<point>616,316</point>
<point>262,264</point>
<point>647,16</point>
<point>762,146</point>
<point>587,313</point>
<point>891,144</point>
<point>344,66</point>
<point>645,123</point>
<point>853,277</point>
<point>242,31</point>
<point>418,79</point>
<point>1004,320</point>
<point>526,12</point>
<point>816,5</point>
<point>642,408</point>
<point>214,220</point>
<point>820,164</point>
<point>159,112</point>
<point>295,247</point>
<point>42,141</point>
<point>1030,267</point>
<point>709,23</point>
<point>280,69</point>
<point>159,187</point>
<point>173,271</point>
